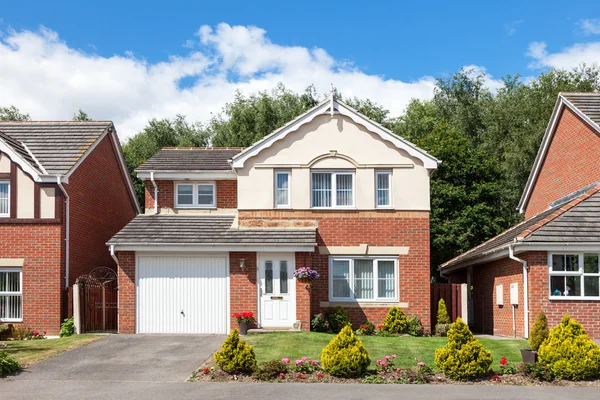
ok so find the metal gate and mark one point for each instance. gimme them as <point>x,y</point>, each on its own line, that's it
<point>98,301</point>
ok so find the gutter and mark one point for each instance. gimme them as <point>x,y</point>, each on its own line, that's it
<point>512,256</point>
<point>155,192</point>
<point>112,254</point>
<point>67,229</point>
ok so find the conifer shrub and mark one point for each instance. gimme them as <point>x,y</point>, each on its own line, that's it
<point>463,357</point>
<point>442,313</point>
<point>569,352</point>
<point>395,321</point>
<point>539,331</point>
<point>345,356</point>
<point>236,355</point>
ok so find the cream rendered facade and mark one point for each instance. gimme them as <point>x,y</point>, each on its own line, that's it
<point>333,143</point>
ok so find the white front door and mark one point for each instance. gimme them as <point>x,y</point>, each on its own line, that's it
<point>277,290</point>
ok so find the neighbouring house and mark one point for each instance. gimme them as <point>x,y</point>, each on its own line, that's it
<point>64,191</point>
<point>225,229</point>
<point>550,261</point>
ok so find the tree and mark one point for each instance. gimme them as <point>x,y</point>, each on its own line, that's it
<point>12,113</point>
<point>81,116</point>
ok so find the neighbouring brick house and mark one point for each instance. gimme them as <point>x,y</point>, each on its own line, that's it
<point>225,229</point>
<point>551,259</point>
<point>64,191</point>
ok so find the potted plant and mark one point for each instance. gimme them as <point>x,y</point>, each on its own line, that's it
<point>306,274</point>
<point>539,333</point>
<point>244,319</point>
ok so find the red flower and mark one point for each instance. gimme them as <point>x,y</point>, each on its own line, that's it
<point>496,378</point>
<point>206,371</point>
<point>300,376</point>
<point>503,361</point>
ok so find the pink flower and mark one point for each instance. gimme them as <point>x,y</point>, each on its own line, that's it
<point>285,360</point>
<point>394,356</point>
<point>383,363</point>
<point>421,364</point>
<point>3,344</point>
<point>379,362</point>
<point>398,370</point>
<point>298,362</point>
<point>387,357</point>
<point>281,375</point>
<point>303,359</point>
<point>314,362</point>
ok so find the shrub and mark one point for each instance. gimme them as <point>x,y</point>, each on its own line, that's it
<point>442,329</point>
<point>538,370</point>
<point>333,320</point>
<point>539,332</point>
<point>442,313</point>
<point>21,332</point>
<point>395,321</point>
<point>271,370</point>
<point>366,329</point>
<point>236,355</point>
<point>569,352</point>
<point>463,357</point>
<point>345,356</point>
<point>415,326</point>
<point>67,328</point>
<point>4,331</point>
<point>8,364</point>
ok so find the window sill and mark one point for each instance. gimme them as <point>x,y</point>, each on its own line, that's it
<point>195,208</point>
<point>569,298</point>
<point>9,320</point>
<point>364,304</point>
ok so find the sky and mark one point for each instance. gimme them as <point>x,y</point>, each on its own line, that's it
<point>130,61</point>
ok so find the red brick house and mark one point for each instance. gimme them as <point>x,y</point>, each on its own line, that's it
<point>550,261</point>
<point>225,229</point>
<point>64,191</point>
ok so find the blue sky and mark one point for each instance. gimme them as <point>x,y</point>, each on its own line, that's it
<point>160,58</point>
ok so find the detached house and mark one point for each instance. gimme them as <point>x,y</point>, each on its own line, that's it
<point>225,229</point>
<point>64,191</point>
<point>550,261</point>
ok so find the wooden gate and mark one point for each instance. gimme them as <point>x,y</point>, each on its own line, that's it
<point>451,293</point>
<point>98,301</point>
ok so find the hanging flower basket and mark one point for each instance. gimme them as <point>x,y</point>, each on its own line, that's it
<point>306,274</point>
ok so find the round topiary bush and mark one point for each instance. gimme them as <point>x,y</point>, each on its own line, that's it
<point>569,352</point>
<point>236,355</point>
<point>463,357</point>
<point>539,331</point>
<point>395,321</point>
<point>345,356</point>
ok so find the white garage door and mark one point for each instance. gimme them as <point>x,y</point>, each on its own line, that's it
<point>182,294</point>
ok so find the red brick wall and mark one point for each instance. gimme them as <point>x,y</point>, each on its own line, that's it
<point>100,206</point>
<point>571,163</point>
<point>243,295</point>
<point>303,294</point>
<point>226,193</point>
<point>126,293</point>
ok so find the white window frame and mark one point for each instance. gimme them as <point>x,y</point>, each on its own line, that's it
<point>7,214</point>
<point>376,298</point>
<point>289,189</point>
<point>579,273</point>
<point>389,173</point>
<point>19,293</point>
<point>333,189</point>
<point>195,195</point>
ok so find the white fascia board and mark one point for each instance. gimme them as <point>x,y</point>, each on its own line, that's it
<point>523,247</point>
<point>199,175</point>
<point>212,248</point>
<point>25,166</point>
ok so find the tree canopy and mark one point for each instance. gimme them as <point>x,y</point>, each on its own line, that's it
<point>81,116</point>
<point>12,113</point>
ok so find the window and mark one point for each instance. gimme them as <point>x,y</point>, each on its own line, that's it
<point>4,199</point>
<point>363,279</point>
<point>332,189</point>
<point>574,276</point>
<point>195,195</point>
<point>383,189</point>
<point>11,305</point>
<point>282,189</point>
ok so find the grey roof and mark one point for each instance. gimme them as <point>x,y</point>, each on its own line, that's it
<point>57,145</point>
<point>191,159</point>
<point>202,229</point>
<point>587,103</point>
<point>20,150</point>
<point>579,223</point>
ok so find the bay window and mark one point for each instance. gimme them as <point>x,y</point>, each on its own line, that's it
<point>332,189</point>
<point>195,195</point>
<point>363,279</point>
<point>11,295</point>
<point>575,275</point>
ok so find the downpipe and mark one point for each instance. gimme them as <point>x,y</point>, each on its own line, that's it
<point>512,256</point>
<point>67,229</point>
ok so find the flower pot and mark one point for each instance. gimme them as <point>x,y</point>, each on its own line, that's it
<point>243,328</point>
<point>529,356</point>
<point>303,280</point>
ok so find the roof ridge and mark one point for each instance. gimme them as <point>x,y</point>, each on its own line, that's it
<point>581,93</point>
<point>208,148</point>
<point>56,120</point>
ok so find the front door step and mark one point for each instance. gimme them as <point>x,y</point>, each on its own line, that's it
<point>271,330</point>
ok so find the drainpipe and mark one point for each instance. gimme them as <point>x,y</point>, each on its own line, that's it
<point>155,192</point>
<point>512,256</point>
<point>67,225</point>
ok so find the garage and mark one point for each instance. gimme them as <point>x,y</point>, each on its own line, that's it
<point>182,294</point>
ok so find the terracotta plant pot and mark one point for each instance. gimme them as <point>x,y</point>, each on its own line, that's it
<point>529,356</point>
<point>303,280</point>
<point>243,328</point>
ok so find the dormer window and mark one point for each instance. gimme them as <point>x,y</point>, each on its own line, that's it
<point>332,189</point>
<point>195,195</point>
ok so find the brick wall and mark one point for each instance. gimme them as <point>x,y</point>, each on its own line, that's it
<point>571,163</point>
<point>226,193</point>
<point>100,206</point>
<point>243,294</point>
<point>126,293</point>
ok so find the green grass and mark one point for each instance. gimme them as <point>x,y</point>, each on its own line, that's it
<point>275,346</point>
<point>29,352</point>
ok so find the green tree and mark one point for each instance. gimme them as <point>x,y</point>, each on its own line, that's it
<point>12,113</point>
<point>81,116</point>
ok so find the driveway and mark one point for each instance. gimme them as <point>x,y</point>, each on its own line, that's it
<point>128,358</point>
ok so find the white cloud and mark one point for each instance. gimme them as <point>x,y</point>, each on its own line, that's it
<point>590,26</point>
<point>570,57</point>
<point>42,75</point>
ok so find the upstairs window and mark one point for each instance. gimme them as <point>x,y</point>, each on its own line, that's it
<point>195,195</point>
<point>383,189</point>
<point>4,199</point>
<point>282,189</point>
<point>332,190</point>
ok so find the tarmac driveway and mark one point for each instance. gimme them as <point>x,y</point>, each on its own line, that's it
<point>128,358</point>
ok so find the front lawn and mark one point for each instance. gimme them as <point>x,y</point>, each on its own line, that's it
<point>29,352</point>
<point>275,346</point>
